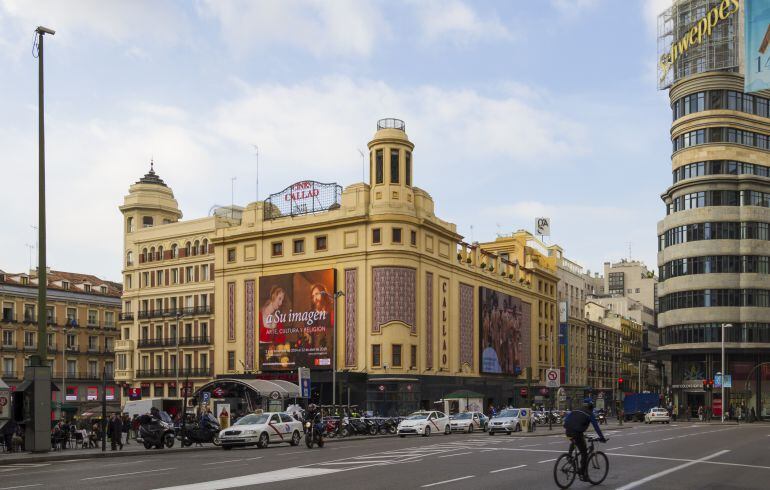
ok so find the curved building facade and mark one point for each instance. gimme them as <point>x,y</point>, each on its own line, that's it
<point>714,244</point>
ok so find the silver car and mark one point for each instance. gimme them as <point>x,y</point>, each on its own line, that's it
<point>506,421</point>
<point>468,422</point>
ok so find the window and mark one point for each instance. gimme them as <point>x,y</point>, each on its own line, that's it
<point>231,360</point>
<point>276,249</point>
<point>93,317</point>
<point>8,314</point>
<point>376,358</point>
<point>147,221</point>
<point>376,238</point>
<point>188,274</point>
<point>396,235</point>
<point>299,246</point>
<point>394,166</point>
<point>159,278</point>
<point>395,357</point>
<point>231,255</point>
<point>93,343</point>
<point>408,168</point>
<point>29,313</point>
<point>122,362</point>
<point>29,339</point>
<point>413,238</point>
<point>413,357</point>
<point>129,224</point>
<point>9,366</point>
<point>204,361</point>
<point>93,369</point>
<point>145,279</point>
<point>174,251</point>
<point>204,330</point>
<point>72,316</point>
<point>72,367</point>
<point>378,171</point>
<point>205,272</point>
<point>72,341</point>
<point>174,276</point>
<point>320,243</point>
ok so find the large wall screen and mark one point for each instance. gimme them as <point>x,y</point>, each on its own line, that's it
<point>296,321</point>
<point>504,328</point>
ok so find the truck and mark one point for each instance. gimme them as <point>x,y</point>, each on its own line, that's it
<point>141,407</point>
<point>635,405</point>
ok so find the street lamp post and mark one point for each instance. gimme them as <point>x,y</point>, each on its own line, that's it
<point>334,297</point>
<point>63,371</point>
<point>724,368</point>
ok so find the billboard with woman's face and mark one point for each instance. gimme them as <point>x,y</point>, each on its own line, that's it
<point>296,320</point>
<point>504,327</point>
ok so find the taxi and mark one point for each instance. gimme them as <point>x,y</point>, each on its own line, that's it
<point>424,423</point>
<point>261,430</point>
<point>468,422</point>
<point>657,415</point>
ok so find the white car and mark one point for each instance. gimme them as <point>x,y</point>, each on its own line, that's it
<point>506,421</point>
<point>424,424</point>
<point>657,415</point>
<point>468,422</point>
<point>262,429</point>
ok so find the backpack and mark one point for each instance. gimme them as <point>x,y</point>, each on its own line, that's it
<point>577,421</point>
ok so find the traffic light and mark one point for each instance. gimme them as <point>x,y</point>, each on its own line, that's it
<point>711,384</point>
<point>705,384</point>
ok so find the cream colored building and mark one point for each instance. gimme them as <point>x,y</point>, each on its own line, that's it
<point>418,312</point>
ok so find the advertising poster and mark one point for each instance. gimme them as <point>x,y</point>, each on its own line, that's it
<point>223,415</point>
<point>71,394</point>
<point>757,44</point>
<point>92,393</point>
<point>110,393</point>
<point>504,329</point>
<point>295,320</point>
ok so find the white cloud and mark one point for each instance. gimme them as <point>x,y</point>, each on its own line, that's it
<point>324,28</point>
<point>457,22</point>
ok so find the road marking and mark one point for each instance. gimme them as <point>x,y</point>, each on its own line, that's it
<point>125,474</point>
<point>226,461</point>
<point>506,469</point>
<point>22,486</point>
<point>456,454</point>
<point>447,481</point>
<point>632,445</point>
<point>120,464</point>
<point>615,448</point>
<point>252,459</point>
<point>547,460</point>
<point>256,479</point>
<point>530,445</point>
<point>671,470</point>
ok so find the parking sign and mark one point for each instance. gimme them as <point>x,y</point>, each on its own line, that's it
<point>206,395</point>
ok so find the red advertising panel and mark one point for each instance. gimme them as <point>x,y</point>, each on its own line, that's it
<point>92,393</point>
<point>71,394</point>
<point>295,320</point>
<point>109,393</point>
<point>134,393</point>
<point>504,333</point>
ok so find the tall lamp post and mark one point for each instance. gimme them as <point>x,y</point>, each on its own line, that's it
<point>334,297</point>
<point>724,368</point>
<point>63,372</point>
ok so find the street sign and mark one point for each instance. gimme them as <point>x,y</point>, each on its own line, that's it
<point>718,380</point>
<point>206,395</point>
<point>304,381</point>
<point>552,378</point>
<point>218,392</point>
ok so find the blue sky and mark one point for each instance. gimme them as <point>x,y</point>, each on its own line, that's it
<point>517,109</point>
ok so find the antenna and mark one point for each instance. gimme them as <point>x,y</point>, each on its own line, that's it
<point>30,247</point>
<point>629,250</point>
<point>363,166</point>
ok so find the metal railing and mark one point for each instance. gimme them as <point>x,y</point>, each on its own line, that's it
<point>175,312</point>
<point>172,341</point>
<point>82,376</point>
<point>11,375</point>
<point>124,317</point>
<point>171,373</point>
<point>391,123</point>
<point>9,317</point>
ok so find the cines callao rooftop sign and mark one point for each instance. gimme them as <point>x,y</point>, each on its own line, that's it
<point>700,30</point>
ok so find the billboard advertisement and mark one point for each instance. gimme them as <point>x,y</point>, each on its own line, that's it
<point>296,321</point>
<point>756,16</point>
<point>504,329</point>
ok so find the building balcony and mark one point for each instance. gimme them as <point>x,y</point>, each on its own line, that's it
<point>8,317</point>
<point>126,317</point>
<point>124,345</point>
<point>172,342</point>
<point>11,375</point>
<point>82,376</point>
<point>124,375</point>
<point>172,373</point>
<point>176,312</point>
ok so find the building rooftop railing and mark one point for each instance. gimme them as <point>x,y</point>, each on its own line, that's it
<point>391,123</point>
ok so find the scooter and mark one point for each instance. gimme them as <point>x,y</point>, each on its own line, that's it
<point>155,432</point>
<point>207,430</point>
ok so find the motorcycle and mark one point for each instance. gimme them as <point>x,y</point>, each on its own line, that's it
<point>156,432</point>
<point>601,418</point>
<point>207,430</point>
<point>387,426</point>
<point>362,427</point>
<point>313,435</point>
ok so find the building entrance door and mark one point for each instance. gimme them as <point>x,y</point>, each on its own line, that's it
<point>695,400</point>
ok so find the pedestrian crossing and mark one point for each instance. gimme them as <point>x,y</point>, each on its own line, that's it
<point>8,468</point>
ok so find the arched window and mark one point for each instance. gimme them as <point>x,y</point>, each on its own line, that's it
<point>151,257</point>
<point>160,252</point>
<point>187,248</point>
<point>196,247</point>
<point>174,251</point>
<point>205,246</point>
<point>130,258</point>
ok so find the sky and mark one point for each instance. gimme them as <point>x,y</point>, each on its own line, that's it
<point>517,109</point>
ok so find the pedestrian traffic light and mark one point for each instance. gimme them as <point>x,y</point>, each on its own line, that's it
<point>705,384</point>
<point>620,382</point>
<point>711,384</point>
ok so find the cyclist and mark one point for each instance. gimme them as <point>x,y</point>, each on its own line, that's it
<point>575,426</point>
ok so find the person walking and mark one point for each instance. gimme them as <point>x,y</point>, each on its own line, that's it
<point>125,424</point>
<point>700,413</point>
<point>115,431</point>
<point>675,412</point>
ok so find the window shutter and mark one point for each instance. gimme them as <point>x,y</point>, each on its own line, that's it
<point>197,278</point>
<point>211,248</point>
<point>168,273</point>
<point>141,258</point>
<point>167,254</point>
<point>152,279</point>
<point>181,275</point>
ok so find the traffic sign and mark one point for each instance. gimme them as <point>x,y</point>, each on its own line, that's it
<point>206,395</point>
<point>552,378</point>
<point>718,380</point>
<point>219,392</point>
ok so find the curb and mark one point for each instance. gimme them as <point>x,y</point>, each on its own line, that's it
<point>73,455</point>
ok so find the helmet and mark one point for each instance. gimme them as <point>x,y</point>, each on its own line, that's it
<point>588,402</point>
<point>312,407</point>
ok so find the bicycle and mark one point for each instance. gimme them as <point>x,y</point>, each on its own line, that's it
<point>566,468</point>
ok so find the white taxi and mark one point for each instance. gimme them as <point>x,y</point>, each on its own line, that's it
<point>424,423</point>
<point>262,429</point>
<point>468,422</point>
<point>657,415</point>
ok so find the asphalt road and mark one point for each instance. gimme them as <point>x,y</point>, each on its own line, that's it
<point>676,456</point>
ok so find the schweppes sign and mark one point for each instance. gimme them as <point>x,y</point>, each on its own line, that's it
<point>700,30</point>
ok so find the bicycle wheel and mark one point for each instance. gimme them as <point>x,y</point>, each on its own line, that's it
<point>564,471</point>
<point>597,468</point>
